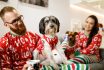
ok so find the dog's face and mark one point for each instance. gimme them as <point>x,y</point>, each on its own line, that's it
<point>49,25</point>
<point>71,38</point>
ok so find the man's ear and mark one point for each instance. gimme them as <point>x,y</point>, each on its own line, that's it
<point>5,24</point>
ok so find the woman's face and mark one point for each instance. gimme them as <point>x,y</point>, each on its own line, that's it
<point>89,23</point>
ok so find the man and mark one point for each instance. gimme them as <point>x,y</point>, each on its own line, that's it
<point>16,46</point>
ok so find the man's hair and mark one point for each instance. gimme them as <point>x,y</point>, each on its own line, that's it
<point>6,9</point>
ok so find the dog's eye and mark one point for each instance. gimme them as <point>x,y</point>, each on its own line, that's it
<point>46,21</point>
<point>53,20</point>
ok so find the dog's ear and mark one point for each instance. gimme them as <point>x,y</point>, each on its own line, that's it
<point>67,32</point>
<point>75,33</point>
<point>42,26</point>
<point>58,24</point>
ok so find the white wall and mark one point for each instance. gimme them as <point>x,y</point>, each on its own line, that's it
<point>60,8</point>
<point>33,14</point>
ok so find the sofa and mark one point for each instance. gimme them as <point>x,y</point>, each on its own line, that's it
<point>99,65</point>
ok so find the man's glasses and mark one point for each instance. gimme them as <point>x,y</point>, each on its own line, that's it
<point>17,19</point>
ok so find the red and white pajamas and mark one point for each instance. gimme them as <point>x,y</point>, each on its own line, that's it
<point>51,41</point>
<point>90,53</point>
<point>16,50</point>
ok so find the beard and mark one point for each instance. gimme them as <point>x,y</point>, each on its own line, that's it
<point>20,30</point>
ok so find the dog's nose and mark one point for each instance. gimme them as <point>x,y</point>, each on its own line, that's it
<point>55,54</point>
<point>52,26</point>
<point>70,39</point>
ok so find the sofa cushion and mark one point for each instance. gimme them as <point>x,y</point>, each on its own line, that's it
<point>97,66</point>
<point>102,53</point>
<point>100,65</point>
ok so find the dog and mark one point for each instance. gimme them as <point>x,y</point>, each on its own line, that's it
<point>101,29</point>
<point>71,38</point>
<point>51,52</point>
<point>69,44</point>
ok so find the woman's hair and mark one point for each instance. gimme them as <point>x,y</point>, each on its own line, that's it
<point>94,30</point>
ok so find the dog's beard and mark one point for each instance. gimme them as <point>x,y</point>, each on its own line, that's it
<point>51,31</point>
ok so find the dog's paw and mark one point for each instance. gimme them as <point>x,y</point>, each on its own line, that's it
<point>56,67</point>
<point>65,62</point>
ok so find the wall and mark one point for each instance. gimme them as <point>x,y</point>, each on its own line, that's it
<point>33,14</point>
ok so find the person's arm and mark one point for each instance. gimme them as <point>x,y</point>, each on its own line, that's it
<point>4,58</point>
<point>0,62</point>
<point>2,43</point>
<point>37,38</point>
<point>93,46</point>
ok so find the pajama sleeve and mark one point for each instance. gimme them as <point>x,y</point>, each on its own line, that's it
<point>4,53</point>
<point>93,46</point>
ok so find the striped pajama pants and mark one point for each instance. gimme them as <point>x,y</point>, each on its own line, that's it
<point>69,67</point>
<point>84,59</point>
<point>80,62</point>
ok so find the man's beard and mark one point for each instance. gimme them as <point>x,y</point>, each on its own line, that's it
<point>20,30</point>
<point>50,31</point>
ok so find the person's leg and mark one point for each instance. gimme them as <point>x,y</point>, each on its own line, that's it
<point>68,67</point>
<point>83,59</point>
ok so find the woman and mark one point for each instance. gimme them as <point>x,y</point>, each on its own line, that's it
<point>88,42</point>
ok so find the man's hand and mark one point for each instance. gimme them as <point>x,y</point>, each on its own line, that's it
<point>7,69</point>
<point>26,67</point>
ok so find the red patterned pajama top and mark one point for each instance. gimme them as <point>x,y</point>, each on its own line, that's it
<point>16,50</point>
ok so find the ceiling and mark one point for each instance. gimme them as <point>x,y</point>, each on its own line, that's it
<point>93,5</point>
<point>98,4</point>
